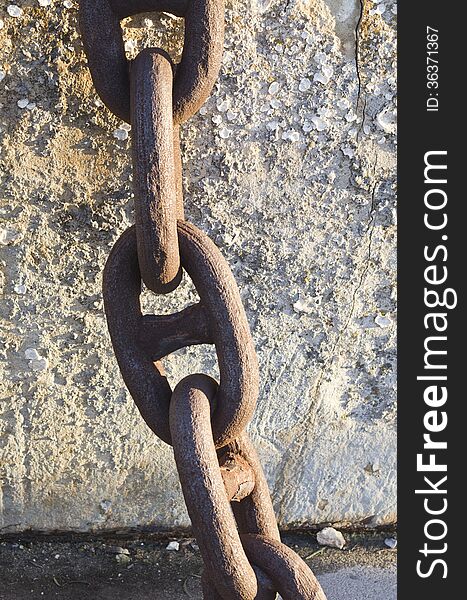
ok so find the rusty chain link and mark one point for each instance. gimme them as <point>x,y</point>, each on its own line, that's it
<point>223,484</point>
<point>201,57</point>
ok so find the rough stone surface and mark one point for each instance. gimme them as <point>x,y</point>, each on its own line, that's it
<point>289,167</point>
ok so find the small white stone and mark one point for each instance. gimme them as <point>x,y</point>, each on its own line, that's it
<point>343,104</point>
<point>32,354</point>
<point>68,4</point>
<point>275,103</point>
<point>304,85</point>
<point>324,75</point>
<point>320,58</point>
<point>263,5</point>
<point>383,321</point>
<point>41,364</point>
<point>148,23</point>
<point>272,125</point>
<point>222,106</point>
<point>121,134</point>
<point>123,559</point>
<point>2,23</point>
<point>173,546</point>
<point>273,88</point>
<point>8,236</point>
<point>391,542</point>
<point>319,123</point>
<point>348,151</point>
<point>231,116</point>
<point>57,556</point>
<point>105,506</point>
<point>291,135</point>
<point>130,45</point>
<point>44,2</point>
<point>228,57</point>
<point>379,10</point>
<point>224,133</point>
<point>14,11</point>
<point>217,119</point>
<point>331,537</point>
<point>2,74</point>
<point>350,117</point>
<point>386,119</point>
<point>320,78</point>
<point>22,103</point>
<point>203,110</point>
<point>20,288</point>
<point>302,306</point>
<point>31,105</point>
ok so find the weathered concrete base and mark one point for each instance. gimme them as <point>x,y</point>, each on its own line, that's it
<point>290,169</point>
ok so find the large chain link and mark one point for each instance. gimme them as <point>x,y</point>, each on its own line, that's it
<point>223,484</point>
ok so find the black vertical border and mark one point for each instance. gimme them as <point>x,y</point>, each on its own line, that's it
<point>420,131</point>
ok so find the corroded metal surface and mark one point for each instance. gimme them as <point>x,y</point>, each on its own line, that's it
<point>199,66</point>
<point>221,477</point>
<point>291,576</point>
<point>154,170</point>
<point>141,341</point>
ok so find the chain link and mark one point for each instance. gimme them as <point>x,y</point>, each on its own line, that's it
<point>201,58</point>
<point>153,145</point>
<point>223,484</point>
<point>141,341</point>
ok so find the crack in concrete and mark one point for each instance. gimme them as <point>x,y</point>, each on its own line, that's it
<point>357,52</point>
<point>305,427</point>
<point>369,231</point>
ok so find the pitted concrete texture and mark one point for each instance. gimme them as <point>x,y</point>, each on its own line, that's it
<point>290,168</point>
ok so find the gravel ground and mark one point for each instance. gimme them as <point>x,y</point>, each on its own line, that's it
<point>72,568</point>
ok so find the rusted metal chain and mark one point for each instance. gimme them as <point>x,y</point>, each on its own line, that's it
<point>265,592</point>
<point>201,57</point>
<point>255,514</point>
<point>203,489</point>
<point>140,342</point>
<point>154,179</point>
<point>221,476</point>
<point>291,576</point>
<point>223,549</point>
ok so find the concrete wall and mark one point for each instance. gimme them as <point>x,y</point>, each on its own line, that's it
<point>294,182</point>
